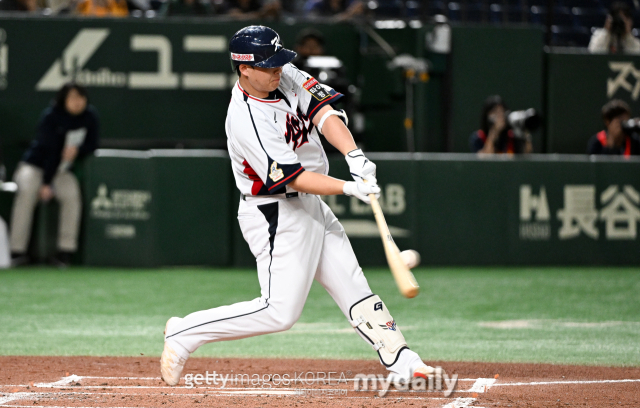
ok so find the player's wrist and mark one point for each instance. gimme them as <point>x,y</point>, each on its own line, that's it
<point>353,154</point>
<point>348,187</point>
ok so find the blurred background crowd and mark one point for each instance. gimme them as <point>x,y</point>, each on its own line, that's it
<point>570,22</point>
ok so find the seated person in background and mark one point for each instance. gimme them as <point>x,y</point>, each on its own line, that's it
<point>103,8</point>
<point>614,140</point>
<point>616,35</point>
<point>339,9</point>
<point>494,136</point>
<point>248,9</point>
<point>310,43</point>
<point>186,8</point>
<point>67,132</point>
<point>28,6</point>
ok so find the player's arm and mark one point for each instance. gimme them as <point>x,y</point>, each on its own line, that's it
<point>315,101</point>
<point>333,125</point>
<point>335,131</point>
<point>316,183</point>
<point>319,184</point>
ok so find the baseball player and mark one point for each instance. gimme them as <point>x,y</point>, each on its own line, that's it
<point>274,122</point>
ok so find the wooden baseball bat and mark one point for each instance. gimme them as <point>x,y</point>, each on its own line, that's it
<point>403,276</point>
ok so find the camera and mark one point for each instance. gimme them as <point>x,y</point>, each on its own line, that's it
<point>631,126</point>
<point>618,27</point>
<point>524,120</point>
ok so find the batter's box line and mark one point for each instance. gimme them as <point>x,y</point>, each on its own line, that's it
<point>227,389</point>
<point>42,396</point>
<point>481,385</point>
<point>567,382</point>
<point>158,378</point>
<point>76,378</point>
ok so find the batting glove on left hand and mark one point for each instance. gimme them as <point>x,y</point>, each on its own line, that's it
<point>360,167</point>
<point>361,190</point>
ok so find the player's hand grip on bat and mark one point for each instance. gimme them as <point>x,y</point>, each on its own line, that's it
<point>360,167</point>
<point>361,190</point>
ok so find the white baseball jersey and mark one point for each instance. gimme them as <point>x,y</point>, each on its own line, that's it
<point>273,140</point>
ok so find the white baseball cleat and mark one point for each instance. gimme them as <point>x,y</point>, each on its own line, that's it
<point>171,364</point>
<point>424,371</point>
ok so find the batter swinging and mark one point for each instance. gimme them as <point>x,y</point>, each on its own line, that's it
<point>274,122</point>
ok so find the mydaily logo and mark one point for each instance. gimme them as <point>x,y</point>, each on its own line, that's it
<point>72,64</point>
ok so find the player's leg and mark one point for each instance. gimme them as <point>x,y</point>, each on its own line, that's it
<point>68,195</point>
<point>341,275</point>
<point>28,178</point>
<point>286,239</point>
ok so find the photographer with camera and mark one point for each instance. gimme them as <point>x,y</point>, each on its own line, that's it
<point>620,136</point>
<point>502,131</point>
<point>616,36</point>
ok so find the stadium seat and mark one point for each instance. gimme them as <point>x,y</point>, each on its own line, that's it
<point>515,3</point>
<point>475,12</point>
<point>589,17</point>
<point>495,13</point>
<point>517,14</point>
<point>454,11</point>
<point>538,15</point>
<point>563,17</point>
<point>539,3</point>
<point>412,8</point>
<point>570,36</point>
<point>436,7</point>
<point>389,8</point>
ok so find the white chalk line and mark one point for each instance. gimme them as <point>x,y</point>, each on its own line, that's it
<point>460,403</point>
<point>215,389</point>
<point>14,397</point>
<point>230,374</point>
<point>40,396</point>
<point>61,383</point>
<point>481,385</point>
<point>567,382</point>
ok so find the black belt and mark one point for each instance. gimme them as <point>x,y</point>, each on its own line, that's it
<point>287,195</point>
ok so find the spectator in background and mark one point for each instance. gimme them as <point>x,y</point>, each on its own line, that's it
<point>249,9</point>
<point>338,9</point>
<point>28,6</point>
<point>186,8</point>
<point>494,135</point>
<point>103,8</point>
<point>613,140</point>
<point>310,43</point>
<point>616,36</point>
<point>67,132</point>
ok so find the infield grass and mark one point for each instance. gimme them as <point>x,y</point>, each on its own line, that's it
<point>554,315</point>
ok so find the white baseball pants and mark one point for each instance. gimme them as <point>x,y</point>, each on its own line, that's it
<point>295,240</point>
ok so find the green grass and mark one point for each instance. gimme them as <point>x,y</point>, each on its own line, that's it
<point>554,315</point>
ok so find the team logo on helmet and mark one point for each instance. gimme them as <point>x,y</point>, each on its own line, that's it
<point>242,57</point>
<point>276,42</point>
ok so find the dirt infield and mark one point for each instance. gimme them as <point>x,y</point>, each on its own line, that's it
<point>135,382</point>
